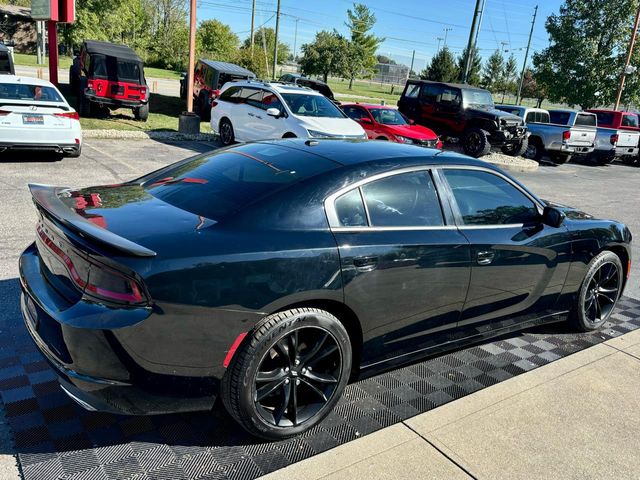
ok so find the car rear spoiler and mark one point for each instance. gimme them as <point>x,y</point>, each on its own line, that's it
<point>47,198</point>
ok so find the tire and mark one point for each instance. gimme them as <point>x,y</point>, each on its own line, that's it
<point>559,158</point>
<point>628,160</point>
<point>267,349</point>
<point>227,137</point>
<point>202,109</point>
<point>142,112</point>
<point>516,150</point>
<point>584,315</point>
<point>476,142</point>
<point>603,160</point>
<point>73,80</point>
<point>84,106</point>
<point>535,149</point>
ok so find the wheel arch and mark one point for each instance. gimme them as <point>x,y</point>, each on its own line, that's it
<point>347,317</point>
<point>481,123</point>
<point>623,255</point>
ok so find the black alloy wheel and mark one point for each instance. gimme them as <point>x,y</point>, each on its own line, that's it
<point>600,291</point>
<point>297,376</point>
<point>288,373</point>
<point>227,136</point>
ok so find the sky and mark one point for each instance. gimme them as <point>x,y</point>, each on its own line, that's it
<point>405,24</point>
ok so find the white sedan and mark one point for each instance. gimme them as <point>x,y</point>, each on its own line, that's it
<point>35,116</point>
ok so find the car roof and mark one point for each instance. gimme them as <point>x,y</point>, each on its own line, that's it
<point>230,68</point>
<point>369,106</point>
<point>280,87</point>
<point>24,79</point>
<point>354,152</point>
<point>454,85</point>
<point>605,110</point>
<point>112,50</point>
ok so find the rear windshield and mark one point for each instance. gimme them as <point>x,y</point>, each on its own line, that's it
<point>559,118</point>
<point>630,121</point>
<point>222,183</point>
<point>112,68</point>
<point>605,118</point>
<point>586,120</point>
<point>21,91</point>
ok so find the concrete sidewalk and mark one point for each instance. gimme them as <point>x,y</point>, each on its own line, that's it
<point>576,417</point>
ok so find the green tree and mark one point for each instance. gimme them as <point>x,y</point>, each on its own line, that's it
<point>386,60</point>
<point>493,71</point>
<point>355,58</point>
<point>473,77</point>
<point>442,67</point>
<point>360,21</point>
<point>215,39</point>
<point>531,88</point>
<point>509,77</point>
<point>325,55</point>
<point>586,56</point>
<point>265,38</point>
<point>256,62</point>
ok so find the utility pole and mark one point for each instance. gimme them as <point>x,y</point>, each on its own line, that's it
<point>446,32</point>
<point>295,39</point>
<point>253,19</point>
<point>526,54</point>
<point>413,57</point>
<point>275,46</point>
<point>192,56</point>
<point>627,65</point>
<point>439,40</point>
<point>475,41</point>
<point>472,35</point>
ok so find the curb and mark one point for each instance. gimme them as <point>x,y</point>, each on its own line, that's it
<point>516,165</point>
<point>142,135</point>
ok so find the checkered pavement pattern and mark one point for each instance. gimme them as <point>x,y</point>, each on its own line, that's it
<point>56,439</point>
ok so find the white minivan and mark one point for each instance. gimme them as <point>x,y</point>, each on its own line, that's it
<point>253,110</point>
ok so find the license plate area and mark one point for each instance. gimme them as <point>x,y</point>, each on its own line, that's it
<point>32,119</point>
<point>117,90</point>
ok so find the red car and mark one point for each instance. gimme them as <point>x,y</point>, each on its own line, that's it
<point>386,123</point>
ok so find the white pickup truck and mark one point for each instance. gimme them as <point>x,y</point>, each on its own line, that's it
<point>558,133</point>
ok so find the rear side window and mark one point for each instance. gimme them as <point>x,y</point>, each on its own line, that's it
<point>405,200</point>
<point>355,113</point>
<point>350,209</point>
<point>586,120</point>
<point>537,117</point>
<point>630,121</point>
<point>413,89</point>
<point>222,183</point>
<point>559,118</point>
<point>251,96</point>
<point>430,93</point>
<point>487,199</point>
<point>5,66</point>
<point>231,94</point>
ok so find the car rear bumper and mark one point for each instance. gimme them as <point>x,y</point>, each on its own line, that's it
<point>576,150</point>
<point>115,102</point>
<point>93,366</point>
<point>69,148</point>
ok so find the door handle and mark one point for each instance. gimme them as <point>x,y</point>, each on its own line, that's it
<point>365,264</point>
<point>485,257</point>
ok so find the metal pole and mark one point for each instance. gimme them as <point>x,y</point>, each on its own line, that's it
<point>39,42</point>
<point>470,43</point>
<point>413,57</point>
<point>629,54</point>
<point>526,56</point>
<point>192,55</point>
<point>295,40</point>
<point>439,40</point>
<point>475,41</point>
<point>53,51</point>
<point>446,32</point>
<point>253,19</point>
<point>275,46</point>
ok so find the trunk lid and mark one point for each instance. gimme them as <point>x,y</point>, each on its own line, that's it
<point>581,136</point>
<point>35,115</point>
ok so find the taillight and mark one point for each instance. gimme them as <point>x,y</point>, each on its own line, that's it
<point>614,139</point>
<point>90,84</point>
<point>566,135</point>
<point>214,93</point>
<point>4,113</point>
<point>72,115</point>
<point>143,90</point>
<point>99,280</point>
<point>213,104</point>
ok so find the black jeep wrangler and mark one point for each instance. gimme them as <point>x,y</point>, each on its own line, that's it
<point>109,75</point>
<point>465,112</point>
<point>6,61</point>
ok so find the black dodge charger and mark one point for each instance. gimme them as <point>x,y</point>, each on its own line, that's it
<point>271,274</point>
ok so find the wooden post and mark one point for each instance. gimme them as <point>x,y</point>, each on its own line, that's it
<point>53,51</point>
<point>192,56</point>
<point>629,55</point>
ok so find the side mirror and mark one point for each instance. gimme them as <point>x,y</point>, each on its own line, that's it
<point>273,112</point>
<point>365,120</point>
<point>553,217</point>
<point>412,121</point>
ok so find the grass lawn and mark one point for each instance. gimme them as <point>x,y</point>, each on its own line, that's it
<point>363,88</point>
<point>163,115</point>
<point>65,62</point>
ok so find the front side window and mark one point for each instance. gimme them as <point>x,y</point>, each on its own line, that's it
<point>271,100</point>
<point>480,98</point>
<point>5,65</point>
<point>404,200</point>
<point>430,93</point>
<point>307,105</point>
<point>413,89</point>
<point>487,199</point>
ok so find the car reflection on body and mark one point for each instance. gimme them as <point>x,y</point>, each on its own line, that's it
<point>272,273</point>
